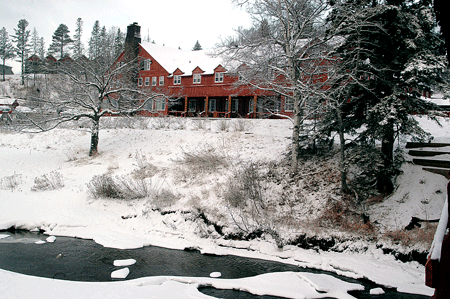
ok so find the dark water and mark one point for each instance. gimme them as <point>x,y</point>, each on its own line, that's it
<point>84,260</point>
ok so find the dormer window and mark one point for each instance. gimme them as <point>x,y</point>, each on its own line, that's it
<point>176,80</point>
<point>197,79</point>
<point>218,77</point>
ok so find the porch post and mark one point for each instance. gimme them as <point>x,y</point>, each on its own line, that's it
<point>186,102</point>
<point>206,106</point>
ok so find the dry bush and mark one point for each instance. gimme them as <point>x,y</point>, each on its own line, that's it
<point>144,168</point>
<point>241,125</point>
<point>199,162</point>
<point>11,182</point>
<point>160,123</point>
<point>49,181</point>
<point>119,187</point>
<point>198,124</point>
<point>412,238</point>
<point>222,125</point>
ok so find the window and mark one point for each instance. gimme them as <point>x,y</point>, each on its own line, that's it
<point>153,81</point>
<point>250,106</point>
<point>192,106</point>
<point>197,78</point>
<point>147,81</point>
<point>177,80</point>
<point>218,77</point>
<point>147,63</point>
<point>212,105</point>
<point>234,105</point>
<point>139,81</point>
<point>288,104</point>
<point>161,80</point>
<point>160,104</point>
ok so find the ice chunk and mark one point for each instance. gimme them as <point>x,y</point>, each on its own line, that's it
<point>40,242</point>
<point>121,273</point>
<point>123,263</point>
<point>215,274</point>
<point>377,291</point>
<point>51,239</point>
<point>3,236</point>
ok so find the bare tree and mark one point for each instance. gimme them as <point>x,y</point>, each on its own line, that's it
<point>90,89</point>
<point>281,53</point>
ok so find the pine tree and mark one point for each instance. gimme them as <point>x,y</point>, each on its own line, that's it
<point>399,57</point>
<point>60,39</point>
<point>41,48</point>
<point>77,46</point>
<point>6,49</point>
<point>119,41</point>
<point>197,47</point>
<point>21,39</point>
<point>35,41</point>
<point>95,41</point>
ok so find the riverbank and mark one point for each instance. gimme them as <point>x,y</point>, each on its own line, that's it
<point>69,210</point>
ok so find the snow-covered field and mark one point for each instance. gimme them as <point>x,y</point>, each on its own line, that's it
<point>70,211</point>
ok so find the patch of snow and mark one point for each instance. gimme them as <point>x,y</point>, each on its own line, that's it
<point>51,239</point>
<point>40,242</point>
<point>123,263</point>
<point>121,273</point>
<point>377,291</point>
<point>215,274</point>
<point>3,236</point>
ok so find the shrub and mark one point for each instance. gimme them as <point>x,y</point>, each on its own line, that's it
<point>241,125</point>
<point>223,124</point>
<point>128,188</point>
<point>206,160</point>
<point>11,182</point>
<point>145,168</point>
<point>49,181</point>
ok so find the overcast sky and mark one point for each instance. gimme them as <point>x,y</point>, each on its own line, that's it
<point>175,23</point>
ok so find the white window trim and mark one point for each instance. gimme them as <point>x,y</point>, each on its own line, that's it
<point>153,81</point>
<point>176,80</point>
<point>161,80</point>
<point>147,81</point>
<point>218,77</point>
<point>197,78</point>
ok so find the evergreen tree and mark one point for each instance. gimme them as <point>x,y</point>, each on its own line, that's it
<point>77,46</point>
<point>21,39</point>
<point>6,49</point>
<point>399,57</point>
<point>197,47</point>
<point>60,39</point>
<point>95,41</point>
<point>41,48</point>
<point>119,41</point>
<point>35,41</point>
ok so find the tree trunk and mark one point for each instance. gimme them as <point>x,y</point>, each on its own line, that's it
<point>93,151</point>
<point>344,187</point>
<point>296,135</point>
<point>384,181</point>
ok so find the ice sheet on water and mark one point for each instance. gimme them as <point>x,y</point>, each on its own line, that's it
<point>123,263</point>
<point>51,239</point>
<point>121,273</point>
<point>2,236</point>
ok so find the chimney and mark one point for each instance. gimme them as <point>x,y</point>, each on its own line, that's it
<point>132,41</point>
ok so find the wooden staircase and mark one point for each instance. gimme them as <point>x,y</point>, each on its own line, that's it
<point>426,154</point>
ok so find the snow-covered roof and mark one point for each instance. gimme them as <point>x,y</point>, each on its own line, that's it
<point>172,59</point>
<point>7,101</point>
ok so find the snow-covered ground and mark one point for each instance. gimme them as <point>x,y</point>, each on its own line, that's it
<point>69,211</point>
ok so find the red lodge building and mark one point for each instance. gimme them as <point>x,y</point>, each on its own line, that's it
<point>195,83</point>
